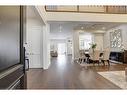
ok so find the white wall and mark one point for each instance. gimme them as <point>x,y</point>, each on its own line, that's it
<point>98,39</point>
<point>34,37</point>
<point>36,21</point>
<point>75,42</point>
<point>124,37</point>
<point>46,46</point>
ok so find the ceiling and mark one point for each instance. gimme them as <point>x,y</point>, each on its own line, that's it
<point>65,28</point>
<point>90,26</point>
<point>93,27</point>
<point>32,13</point>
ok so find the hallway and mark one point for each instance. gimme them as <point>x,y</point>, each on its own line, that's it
<point>63,74</point>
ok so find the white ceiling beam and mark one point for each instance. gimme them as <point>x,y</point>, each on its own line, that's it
<point>87,17</point>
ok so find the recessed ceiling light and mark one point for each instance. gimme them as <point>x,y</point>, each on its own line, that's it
<point>60,28</point>
<point>82,27</point>
<point>103,28</point>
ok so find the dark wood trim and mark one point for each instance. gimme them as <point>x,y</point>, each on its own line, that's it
<point>45,8</point>
<point>72,11</point>
<point>84,12</point>
<point>78,11</point>
<point>125,56</point>
<point>106,9</point>
<point>77,8</point>
<point>11,76</point>
<point>14,76</point>
<point>126,9</point>
<point>23,82</point>
<point>21,36</point>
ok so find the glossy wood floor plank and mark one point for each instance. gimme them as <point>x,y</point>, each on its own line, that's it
<point>64,74</point>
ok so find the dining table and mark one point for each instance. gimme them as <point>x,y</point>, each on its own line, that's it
<point>87,54</point>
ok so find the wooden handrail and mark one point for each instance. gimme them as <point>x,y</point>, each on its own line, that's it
<point>107,10</point>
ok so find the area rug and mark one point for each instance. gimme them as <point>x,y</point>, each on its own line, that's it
<point>85,64</point>
<point>116,77</point>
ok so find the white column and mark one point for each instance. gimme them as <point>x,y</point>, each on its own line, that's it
<point>75,43</point>
<point>46,46</point>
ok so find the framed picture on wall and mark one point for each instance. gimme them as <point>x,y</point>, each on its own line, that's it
<point>116,38</point>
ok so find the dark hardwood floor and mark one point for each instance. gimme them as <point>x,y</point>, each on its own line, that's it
<point>64,74</point>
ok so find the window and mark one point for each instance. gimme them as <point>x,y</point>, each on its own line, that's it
<point>84,41</point>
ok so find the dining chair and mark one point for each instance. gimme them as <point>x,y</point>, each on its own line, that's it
<point>106,56</point>
<point>81,56</point>
<point>95,57</point>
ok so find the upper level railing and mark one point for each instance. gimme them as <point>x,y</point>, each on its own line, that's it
<point>87,9</point>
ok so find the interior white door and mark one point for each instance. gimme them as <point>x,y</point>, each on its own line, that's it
<point>34,46</point>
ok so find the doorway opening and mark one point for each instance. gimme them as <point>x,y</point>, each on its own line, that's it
<point>61,48</point>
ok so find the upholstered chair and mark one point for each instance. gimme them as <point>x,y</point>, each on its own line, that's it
<point>106,56</point>
<point>81,56</point>
<point>95,57</point>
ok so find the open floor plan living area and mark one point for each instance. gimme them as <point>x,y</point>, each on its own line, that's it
<point>63,47</point>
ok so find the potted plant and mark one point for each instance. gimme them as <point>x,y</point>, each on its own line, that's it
<point>93,46</point>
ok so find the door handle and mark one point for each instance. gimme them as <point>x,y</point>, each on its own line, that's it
<point>29,53</point>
